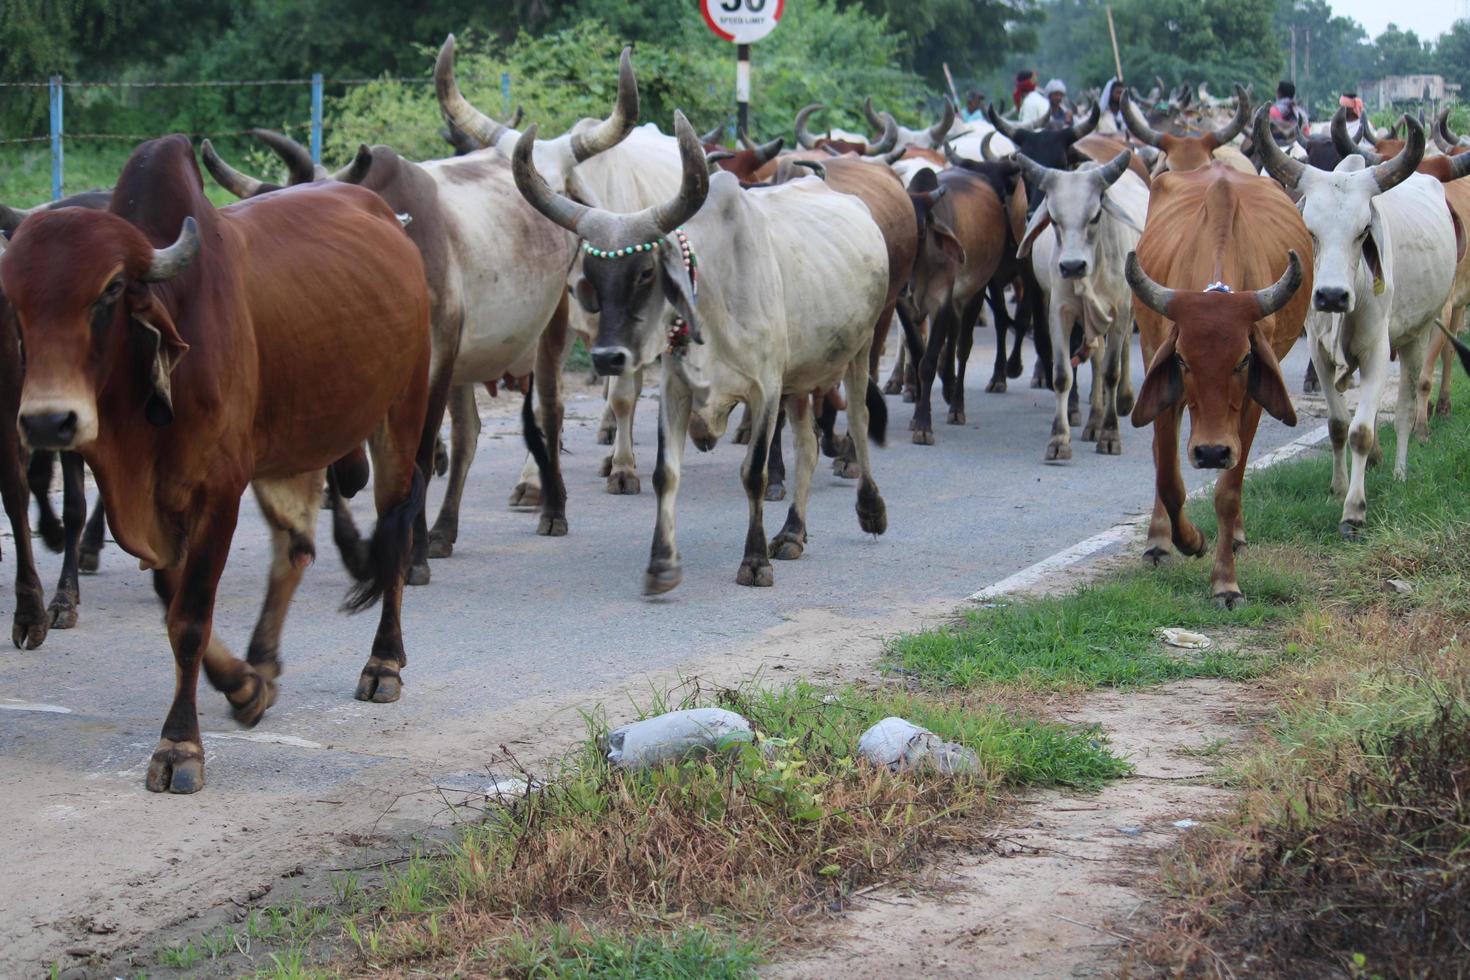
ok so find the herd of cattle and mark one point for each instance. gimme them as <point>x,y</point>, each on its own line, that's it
<point>185,352</point>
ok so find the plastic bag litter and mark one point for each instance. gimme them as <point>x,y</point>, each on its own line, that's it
<point>1184,639</point>
<point>901,745</point>
<point>673,736</point>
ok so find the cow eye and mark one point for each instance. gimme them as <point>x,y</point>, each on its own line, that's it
<point>111,293</point>
<point>1183,364</point>
<point>645,277</point>
<point>1096,217</point>
<point>102,309</point>
<point>1245,362</point>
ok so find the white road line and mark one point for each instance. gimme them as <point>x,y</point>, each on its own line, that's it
<point>10,704</point>
<point>300,743</point>
<point>1124,531</point>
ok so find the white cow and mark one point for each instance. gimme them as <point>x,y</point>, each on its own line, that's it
<point>1384,261</point>
<point>1097,215</point>
<point>744,304</point>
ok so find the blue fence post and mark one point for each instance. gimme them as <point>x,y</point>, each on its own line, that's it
<point>56,151</point>
<point>316,118</point>
<point>505,93</point>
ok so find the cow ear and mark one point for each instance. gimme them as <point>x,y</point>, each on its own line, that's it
<point>1016,211</point>
<point>164,348</point>
<point>946,239</point>
<point>1264,382</point>
<point>586,295</point>
<point>1163,385</point>
<point>1376,250</point>
<point>1038,224</point>
<point>678,286</point>
<point>1112,207</point>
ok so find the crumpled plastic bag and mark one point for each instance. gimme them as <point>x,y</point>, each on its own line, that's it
<point>674,736</point>
<point>903,746</point>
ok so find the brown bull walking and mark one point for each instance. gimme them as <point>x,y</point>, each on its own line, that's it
<point>268,340</point>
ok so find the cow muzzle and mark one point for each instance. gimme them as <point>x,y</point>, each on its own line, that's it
<point>1331,299</point>
<point>49,430</point>
<point>608,361</point>
<point>1072,268</point>
<point>1212,457</point>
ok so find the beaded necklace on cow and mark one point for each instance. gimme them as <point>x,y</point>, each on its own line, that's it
<point>679,335</point>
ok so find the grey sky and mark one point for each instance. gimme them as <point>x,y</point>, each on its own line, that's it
<point>1427,18</point>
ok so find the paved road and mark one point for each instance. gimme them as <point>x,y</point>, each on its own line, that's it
<point>93,861</point>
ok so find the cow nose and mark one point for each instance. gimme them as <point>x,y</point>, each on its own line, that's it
<point>609,360</point>
<point>1330,299</point>
<point>49,430</point>
<point>1073,268</point>
<point>1212,457</point>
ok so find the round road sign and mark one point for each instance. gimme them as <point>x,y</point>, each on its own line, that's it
<point>742,21</point>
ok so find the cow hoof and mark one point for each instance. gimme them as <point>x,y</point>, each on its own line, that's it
<point>1351,530</point>
<point>1375,455</point>
<point>379,682</point>
<point>1124,404</point>
<point>1442,408</point>
<point>847,469</point>
<point>52,532</point>
<point>29,631</point>
<point>786,547</point>
<point>909,395</point>
<point>1074,417</point>
<point>956,418</point>
<point>441,545</point>
<point>1421,433</point>
<point>997,386</point>
<point>552,526</point>
<point>1058,451</point>
<point>176,767</point>
<point>1090,431</point>
<point>418,574</point>
<point>775,491</point>
<point>623,484</point>
<point>662,577</point>
<point>63,612</point>
<point>757,573</point>
<point>1229,600</point>
<point>605,436</point>
<point>923,437</point>
<point>1155,555</point>
<point>742,436</point>
<point>249,712</point>
<point>1110,444</point>
<point>526,495</point>
<point>892,387</point>
<point>872,514</point>
<point>88,562</point>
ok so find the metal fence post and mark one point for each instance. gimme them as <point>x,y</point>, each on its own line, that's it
<point>505,93</point>
<point>316,118</point>
<point>56,150</point>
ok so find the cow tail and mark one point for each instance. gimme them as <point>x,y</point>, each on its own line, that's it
<point>391,547</point>
<point>877,414</point>
<point>1460,346</point>
<point>531,432</point>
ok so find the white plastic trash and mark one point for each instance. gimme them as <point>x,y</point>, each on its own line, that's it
<point>1184,639</point>
<point>674,736</point>
<point>902,745</point>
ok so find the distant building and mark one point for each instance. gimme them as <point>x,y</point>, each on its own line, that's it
<point>1406,88</point>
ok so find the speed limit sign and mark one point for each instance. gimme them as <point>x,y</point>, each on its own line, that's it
<point>742,21</point>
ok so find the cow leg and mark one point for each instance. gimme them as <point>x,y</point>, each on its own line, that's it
<point>861,426</point>
<point>775,465</point>
<point>1124,402</point>
<point>1456,322</point>
<point>1169,483</point>
<point>755,567</point>
<point>1310,383</point>
<point>665,570</point>
<point>619,468</point>
<point>1023,324</point>
<point>1097,397</point>
<point>607,427</point>
<point>1224,589</point>
<point>1060,446</point>
<point>791,541</point>
<point>742,431</point>
<point>1114,356</point>
<point>940,330</point>
<point>995,294</point>
<point>39,471</point>
<point>89,558</point>
<point>63,609</point>
<point>464,433</point>
<point>1363,434</point>
<point>881,329</point>
<point>177,765</point>
<point>963,345</point>
<point>550,353</point>
<point>894,384</point>
<point>1433,348</point>
<point>32,621</point>
<point>1412,379</point>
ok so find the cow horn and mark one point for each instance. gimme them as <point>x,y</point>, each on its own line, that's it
<point>1344,143</point>
<point>986,153</point>
<point>356,171</point>
<point>813,166</point>
<point>1299,139</point>
<point>1224,135</point>
<point>533,187</point>
<point>1277,295</point>
<point>456,108</point>
<point>458,139</point>
<point>297,158</point>
<point>1394,172</point>
<point>1159,88</point>
<point>1109,172</point>
<point>764,152</point>
<point>1006,129</point>
<point>715,135</point>
<point>887,142</point>
<point>695,187</point>
<point>715,157</point>
<point>1286,170</point>
<point>10,218</point>
<point>1393,131</point>
<point>169,262</point>
<point>1368,133</point>
<point>894,156</point>
<point>1155,297</point>
<point>941,129</point>
<point>1137,124</point>
<point>1087,125</point>
<point>1459,165</point>
<point>1441,131</point>
<point>232,180</point>
<point>803,136</point>
<point>1033,171</point>
<point>874,120</point>
<point>615,128</point>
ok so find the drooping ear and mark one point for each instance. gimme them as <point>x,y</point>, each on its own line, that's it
<point>945,237</point>
<point>164,349</point>
<point>586,295</point>
<point>1264,382</point>
<point>1016,211</point>
<point>1037,225</point>
<point>1377,249</point>
<point>1112,208</point>
<point>678,287</point>
<point>1163,385</point>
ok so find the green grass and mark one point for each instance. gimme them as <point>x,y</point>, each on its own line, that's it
<point>689,953</point>
<point>25,169</point>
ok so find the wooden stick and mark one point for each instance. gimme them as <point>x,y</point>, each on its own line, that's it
<point>1117,61</point>
<point>952,90</point>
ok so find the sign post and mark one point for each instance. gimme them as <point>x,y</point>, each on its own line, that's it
<point>742,22</point>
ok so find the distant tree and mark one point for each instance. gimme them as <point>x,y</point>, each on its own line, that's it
<point>1333,53</point>
<point>1452,56</point>
<point>1401,52</point>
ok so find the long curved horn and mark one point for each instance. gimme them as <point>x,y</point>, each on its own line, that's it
<point>764,152</point>
<point>1296,135</point>
<point>615,128</point>
<point>715,135</point>
<point>1393,131</point>
<point>1160,88</point>
<point>456,108</point>
<point>1275,296</point>
<point>232,180</point>
<point>1459,165</point>
<point>1344,143</point>
<point>169,262</point>
<point>297,158</point>
<point>1082,129</point>
<point>715,157</point>
<point>695,186</point>
<point>888,141</point>
<point>355,171</point>
<point>533,187</point>
<point>941,129</point>
<point>813,166</point>
<point>1368,133</point>
<point>1033,171</point>
<point>1006,129</point>
<point>1109,172</point>
<point>895,156</point>
<point>803,136</point>
<point>1155,297</point>
<point>1228,132</point>
<point>1137,124</point>
<point>1286,170</point>
<point>1441,131</point>
<point>869,113</point>
<point>10,218</point>
<point>456,138</point>
<point>1401,167</point>
<point>986,153</point>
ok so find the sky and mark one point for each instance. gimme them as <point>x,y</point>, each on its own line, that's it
<point>1427,18</point>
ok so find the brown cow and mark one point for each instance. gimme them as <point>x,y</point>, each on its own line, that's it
<point>270,339</point>
<point>1191,152</point>
<point>879,146</point>
<point>1215,351</point>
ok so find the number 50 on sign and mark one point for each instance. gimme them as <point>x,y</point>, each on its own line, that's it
<point>742,21</point>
